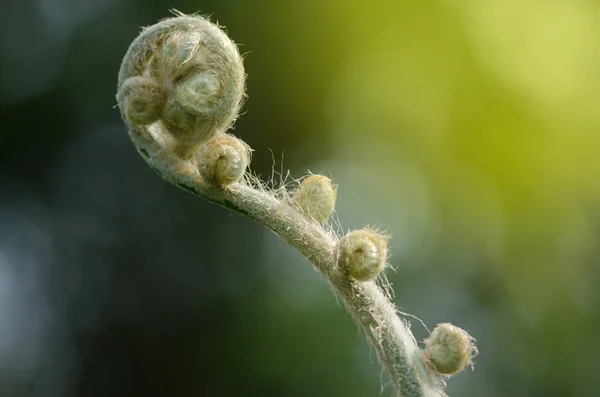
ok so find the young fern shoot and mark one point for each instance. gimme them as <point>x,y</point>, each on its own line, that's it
<point>181,86</point>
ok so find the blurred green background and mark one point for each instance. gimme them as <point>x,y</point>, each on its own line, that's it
<point>468,129</point>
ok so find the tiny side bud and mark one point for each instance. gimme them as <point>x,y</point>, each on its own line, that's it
<point>316,197</point>
<point>141,99</point>
<point>223,160</point>
<point>448,349</point>
<point>363,254</point>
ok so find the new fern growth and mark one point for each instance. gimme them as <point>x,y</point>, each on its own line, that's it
<point>181,86</point>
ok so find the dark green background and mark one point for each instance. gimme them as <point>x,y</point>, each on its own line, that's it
<point>469,130</point>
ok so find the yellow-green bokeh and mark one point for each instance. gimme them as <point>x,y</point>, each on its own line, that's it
<point>493,107</point>
<point>495,103</point>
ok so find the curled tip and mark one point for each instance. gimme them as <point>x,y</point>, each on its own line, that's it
<point>223,160</point>
<point>449,349</point>
<point>316,197</point>
<point>141,100</point>
<point>198,71</point>
<point>363,254</point>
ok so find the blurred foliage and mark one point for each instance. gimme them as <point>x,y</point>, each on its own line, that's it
<point>469,129</point>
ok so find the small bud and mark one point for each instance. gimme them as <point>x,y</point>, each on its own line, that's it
<point>141,99</point>
<point>363,254</point>
<point>223,160</point>
<point>448,349</point>
<point>316,197</point>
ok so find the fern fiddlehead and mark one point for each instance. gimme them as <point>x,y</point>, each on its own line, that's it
<point>181,86</point>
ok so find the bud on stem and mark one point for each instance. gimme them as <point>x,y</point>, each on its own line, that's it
<point>449,349</point>
<point>316,197</point>
<point>223,160</point>
<point>363,254</point>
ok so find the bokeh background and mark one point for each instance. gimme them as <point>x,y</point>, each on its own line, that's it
<point>469,129</point>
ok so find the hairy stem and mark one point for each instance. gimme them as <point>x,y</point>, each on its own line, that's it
<point>396,347</point>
